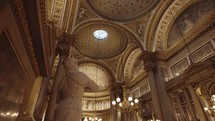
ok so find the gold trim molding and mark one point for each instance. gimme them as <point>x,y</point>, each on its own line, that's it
<point>23,25</point>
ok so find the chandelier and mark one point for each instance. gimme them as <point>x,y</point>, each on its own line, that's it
<point>211,109</point>
<point>125,105</point>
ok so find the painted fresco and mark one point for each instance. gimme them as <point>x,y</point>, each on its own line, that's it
<point>188,19</point>
<point>13,82</point>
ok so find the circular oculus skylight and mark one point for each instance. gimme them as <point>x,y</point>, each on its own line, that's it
<point>100,34</point>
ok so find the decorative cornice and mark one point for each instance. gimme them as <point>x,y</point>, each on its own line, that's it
<point>26,34</point>
<point>44,28</point>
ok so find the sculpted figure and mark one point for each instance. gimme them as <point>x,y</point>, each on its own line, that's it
<point>82,13</point>
<point>70,92</point>
<point>140,29</point>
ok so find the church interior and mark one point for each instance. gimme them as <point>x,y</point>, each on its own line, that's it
<point>154,60</point>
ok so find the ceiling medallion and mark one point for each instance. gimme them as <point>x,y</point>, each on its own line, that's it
<point>100,34</point>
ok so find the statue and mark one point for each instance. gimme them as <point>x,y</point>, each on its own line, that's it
<point>140,30</point>
<point>70,92</point>
<point>82,13</point>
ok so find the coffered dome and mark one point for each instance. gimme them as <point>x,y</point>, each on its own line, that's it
<point>100,41</point>
<point>122,10</point>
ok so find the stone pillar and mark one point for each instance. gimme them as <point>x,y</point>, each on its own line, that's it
<point>160,99</point>
<point>199,109</point>
<point>183,117</point>
<point>41,101</point>
<point>63,51</point>
<point>189,105</point>
<point>171,95</point>
<point>149,65</point>
<point>29,113</point>
<point>113,113</point>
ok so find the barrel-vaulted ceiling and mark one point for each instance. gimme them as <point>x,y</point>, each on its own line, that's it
<point>132,26</point>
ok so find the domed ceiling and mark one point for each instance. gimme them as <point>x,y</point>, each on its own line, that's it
<point>122,10</point>
<point>97,74</point>
<point>93,47</point>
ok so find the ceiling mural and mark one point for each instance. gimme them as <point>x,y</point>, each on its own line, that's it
<point>97,74</point>
<point>188,19</point>
<point>122,10</point>
<point>106,43</point>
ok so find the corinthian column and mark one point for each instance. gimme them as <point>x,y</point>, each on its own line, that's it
<point>160,98</point>
<point>63,51</point>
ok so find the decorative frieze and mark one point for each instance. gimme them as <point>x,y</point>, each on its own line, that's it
<point>202,53</point>
<point>92,105</point>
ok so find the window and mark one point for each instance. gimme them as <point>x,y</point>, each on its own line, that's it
<point>100,34</point>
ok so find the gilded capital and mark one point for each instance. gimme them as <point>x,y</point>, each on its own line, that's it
<point>149,59</point>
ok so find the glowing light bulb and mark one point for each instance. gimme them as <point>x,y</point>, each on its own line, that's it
<point>8,113</point>
<point>205,108</point>
<point>132,103</point>
<point>136,100</point>
<point>130,98</point>
<point>96,118</point>
<point>118,99</point>
<point>100,119</point>
<point>120,104</point>
<point>113,102</point>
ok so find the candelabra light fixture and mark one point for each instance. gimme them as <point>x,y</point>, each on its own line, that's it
<point>153,118</point>
<point>211,109</point>
<point>127,104</point>
<point>92,119</point>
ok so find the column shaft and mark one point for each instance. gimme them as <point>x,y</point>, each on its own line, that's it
<point>154,95</point>
<point>160,98</point>
<point>199,109</point>
<point>190,107</point>
<point>183,117</point>
<point>29,116</point>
